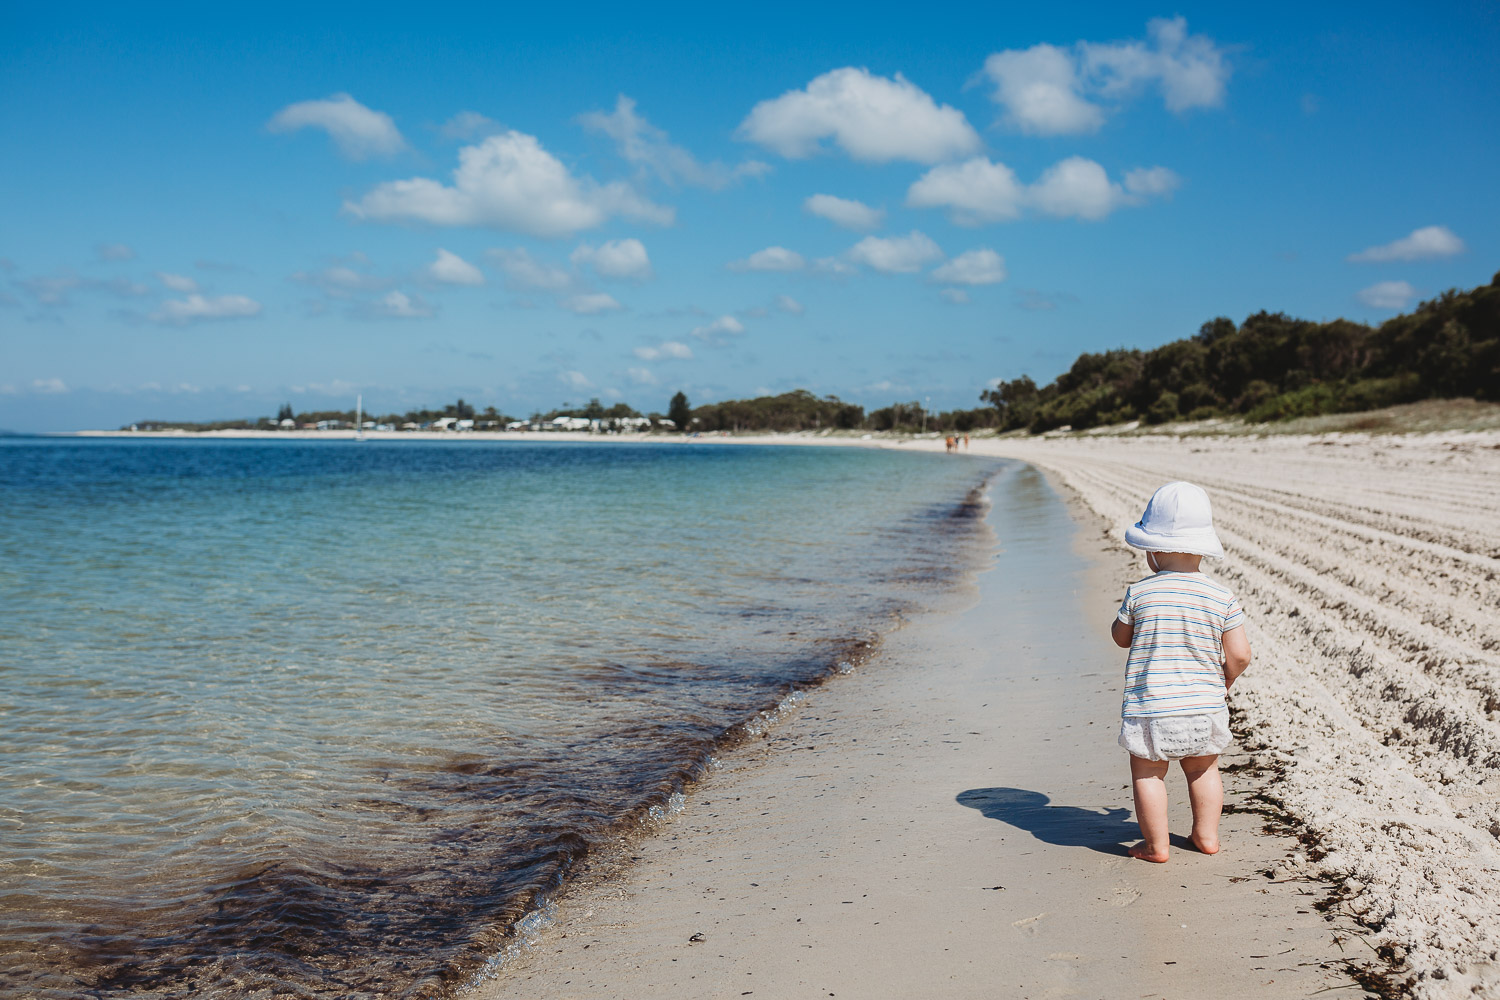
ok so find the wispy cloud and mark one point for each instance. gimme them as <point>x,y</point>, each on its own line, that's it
<point>1387,295</point>
<point>1425,243</point>
<point>200,309</point>
<point>648,147</point>
<point>666,350</point>
<point>590,303</point>
<point>770,259</point>
<point>846,212</point>
<point>358,131</point>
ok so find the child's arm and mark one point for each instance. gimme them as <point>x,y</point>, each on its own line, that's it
<point>1121,633</point>
<point>1236,654</point>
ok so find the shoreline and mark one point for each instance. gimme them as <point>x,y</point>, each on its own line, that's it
<point>901,833</point>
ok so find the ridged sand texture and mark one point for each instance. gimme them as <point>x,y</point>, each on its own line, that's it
<point>1370,569</point>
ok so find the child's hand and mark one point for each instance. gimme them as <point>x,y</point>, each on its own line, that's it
<point>1122,633</point>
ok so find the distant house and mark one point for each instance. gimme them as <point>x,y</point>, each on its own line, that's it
<point>411,425</point>
<point>571,423</point>
<point>518,425</point>
<point>442,424</point>
<point>670,425</point>
<point>463,425</point>
<point>287,424</point>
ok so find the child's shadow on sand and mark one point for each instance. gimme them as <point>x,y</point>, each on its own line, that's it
<point>1066,826</point>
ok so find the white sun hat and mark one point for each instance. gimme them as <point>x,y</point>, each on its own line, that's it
<point>1178,518</point>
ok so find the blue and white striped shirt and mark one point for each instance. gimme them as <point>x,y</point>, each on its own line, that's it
<point>1176,663</point>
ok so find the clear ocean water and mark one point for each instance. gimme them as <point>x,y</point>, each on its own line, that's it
<point>323,719</point>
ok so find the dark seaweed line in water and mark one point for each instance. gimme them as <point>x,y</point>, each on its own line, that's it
<point>294,921</point>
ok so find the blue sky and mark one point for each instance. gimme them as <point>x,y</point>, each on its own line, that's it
<point>209,212</point>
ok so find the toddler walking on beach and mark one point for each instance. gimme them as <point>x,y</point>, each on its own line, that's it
<point>1187,645</point>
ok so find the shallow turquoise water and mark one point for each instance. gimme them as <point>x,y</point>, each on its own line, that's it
<point>320,719</point>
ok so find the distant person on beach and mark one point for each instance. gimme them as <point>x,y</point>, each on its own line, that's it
<point>1186,636</point>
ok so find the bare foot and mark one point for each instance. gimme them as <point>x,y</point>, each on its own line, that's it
<point>1206,844</point>
<point>1155,857</point>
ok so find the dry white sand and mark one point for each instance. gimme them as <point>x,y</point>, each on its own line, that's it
<point>1370,568</point>
<point>949,821</point>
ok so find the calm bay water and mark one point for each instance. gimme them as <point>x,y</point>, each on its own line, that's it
<point>321,719</point>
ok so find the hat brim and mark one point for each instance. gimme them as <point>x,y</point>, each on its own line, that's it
<point>1198,544</point>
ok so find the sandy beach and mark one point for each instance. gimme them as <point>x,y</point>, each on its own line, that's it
<point>1369,563</point>
<point>949,821</point>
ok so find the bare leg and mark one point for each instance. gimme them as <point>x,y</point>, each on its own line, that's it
<point>1206,792</point>
<point>1149,779</point>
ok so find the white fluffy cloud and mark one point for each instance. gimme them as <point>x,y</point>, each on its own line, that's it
<point>641,376</point>
<point>666,350</point>
<point>358,131</point>
<point>590,303</point>
<point>575,380</point>
<point>977,191</point>
<point>846,212</point>
<point>1041,91</point>
<point>787,304</point>
<point>974,267</point>
<point>1429,241</point>
<point>523,271</point>
<point>1047,90</point>
<point>616,259</point>
<point>714,332</point>
<point>508,181</point>
<point>451,269</point>
<point>1387,295</point>
<point>872,118</point>
<point>770,259</point>
<point>895,254</point>
<point>1076,187</point>
<point>1190,70</point>
<point>176,282</point>
<point>197,309</point>
<point>955,296</point>
<point>648,147</point>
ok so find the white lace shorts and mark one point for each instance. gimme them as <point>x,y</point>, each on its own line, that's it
<point>1173,737</point>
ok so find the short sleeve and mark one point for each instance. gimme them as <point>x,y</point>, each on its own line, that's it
<point>1234,615</point>
<point>1124,615</point>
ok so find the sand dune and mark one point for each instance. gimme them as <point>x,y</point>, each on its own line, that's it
<point>1370,567</point>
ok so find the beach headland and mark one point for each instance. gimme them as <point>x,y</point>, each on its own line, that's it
<point>948,822</point>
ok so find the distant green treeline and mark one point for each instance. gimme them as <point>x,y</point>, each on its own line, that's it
<point>1270,367</point>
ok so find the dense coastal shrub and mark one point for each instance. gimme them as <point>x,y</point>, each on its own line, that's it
<point>1273,367</point>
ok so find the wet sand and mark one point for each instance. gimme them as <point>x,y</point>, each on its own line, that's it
<point>949,821</point>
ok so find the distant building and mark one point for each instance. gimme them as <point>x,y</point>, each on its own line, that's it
<point>288,424</point>
<point>463,425</point>
<point>442,424</point>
